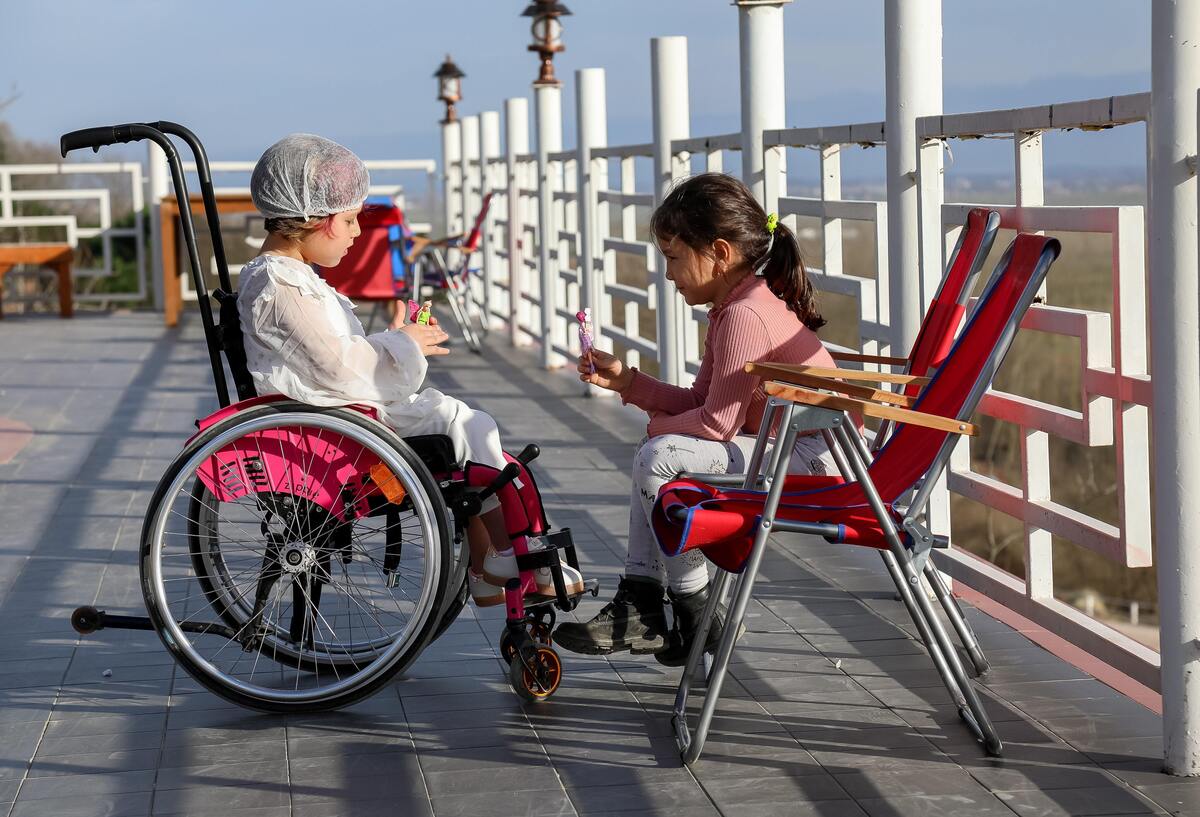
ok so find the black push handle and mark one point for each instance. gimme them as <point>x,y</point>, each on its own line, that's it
<point>528,454</point>
<point>206,192</point>
<point>96,138</point>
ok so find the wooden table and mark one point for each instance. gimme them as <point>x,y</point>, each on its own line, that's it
<point>56,256</point>
<point>169,223</point>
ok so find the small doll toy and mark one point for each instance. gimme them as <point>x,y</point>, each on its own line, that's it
<point>419,313</point>
<point>585,335</point>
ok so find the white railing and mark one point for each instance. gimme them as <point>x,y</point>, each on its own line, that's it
<point>100,224</point>
<point>870,293</point>
<point>621,305</point>
<point>1113,372</point>
<point>1113,360</point>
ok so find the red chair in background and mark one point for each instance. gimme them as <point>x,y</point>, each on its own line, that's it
<point>375,268</point>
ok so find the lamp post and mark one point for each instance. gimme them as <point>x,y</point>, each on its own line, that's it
<point>449,85</point>
<point>547,41</point>
<point>449,77</point>
<point>547,35</point>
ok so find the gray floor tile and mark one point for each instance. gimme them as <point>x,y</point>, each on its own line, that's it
<point>343,807</point>
<point>135,804</point>
<point>936,805</point>
<point>523,778</point>
<point>669,798</point>
<point>221,799</point>
<point>94,763</point>
<point>1110,799</point>
<point>1182,795</point>
<point>86,785</point>
<point>549,803</point>
<point>780,791</point>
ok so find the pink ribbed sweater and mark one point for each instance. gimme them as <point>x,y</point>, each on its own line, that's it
<point>751,324</point>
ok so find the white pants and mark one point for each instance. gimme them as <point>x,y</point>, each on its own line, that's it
<point>659,460</point>
<point>473,432</point>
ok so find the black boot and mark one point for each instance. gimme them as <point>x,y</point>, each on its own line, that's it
<point>634,620</point>
<point>688,610</point>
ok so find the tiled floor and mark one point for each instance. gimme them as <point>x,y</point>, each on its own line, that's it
<point>831,709</point>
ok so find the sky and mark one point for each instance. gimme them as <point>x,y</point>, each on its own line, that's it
<point>243,73</point>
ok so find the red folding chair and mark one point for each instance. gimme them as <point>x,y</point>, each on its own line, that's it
<point>932,344</point>
<point>872,509</point>
<point>374,268</point>
<point>455,281</point>
<point>946,311</point>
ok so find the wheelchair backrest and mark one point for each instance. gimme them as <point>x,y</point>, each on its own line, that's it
<point>232,344</point>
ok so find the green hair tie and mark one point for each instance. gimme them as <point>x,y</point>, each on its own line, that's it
<point>761,267</point>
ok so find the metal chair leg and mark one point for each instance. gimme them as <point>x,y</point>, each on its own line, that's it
<point>453,297</point>
<point>944,655</point>
<point>691,745</point>
<point>966,634</point>
<point>961,626</point>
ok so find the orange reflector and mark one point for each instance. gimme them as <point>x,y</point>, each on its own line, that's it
<point>386,481</point>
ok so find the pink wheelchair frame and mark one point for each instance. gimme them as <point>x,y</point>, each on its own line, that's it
<point>354,482</point>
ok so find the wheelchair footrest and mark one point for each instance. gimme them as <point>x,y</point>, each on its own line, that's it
<point>556,546</point>
<point>549,555</point>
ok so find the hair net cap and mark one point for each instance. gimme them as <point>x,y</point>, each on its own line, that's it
<point>307,176</point>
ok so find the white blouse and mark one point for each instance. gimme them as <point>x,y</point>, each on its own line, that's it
<point>303,339</point>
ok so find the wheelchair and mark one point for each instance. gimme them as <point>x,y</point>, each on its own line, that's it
<point>296,558</point>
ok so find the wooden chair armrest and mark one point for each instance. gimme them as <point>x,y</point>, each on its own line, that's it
<point>799,394</point>
<point>841,374</point>
<point>857,357</point>
<point>830,384</point>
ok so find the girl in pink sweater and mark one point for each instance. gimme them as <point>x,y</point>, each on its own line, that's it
<point>721,249</point>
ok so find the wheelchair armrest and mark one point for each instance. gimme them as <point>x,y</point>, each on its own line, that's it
<point>435,450</point>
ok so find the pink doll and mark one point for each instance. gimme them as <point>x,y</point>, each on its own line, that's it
<point>585,336</point>
<point>419,313</point>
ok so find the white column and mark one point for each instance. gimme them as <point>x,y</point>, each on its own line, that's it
<point>1175,368</point>
<point>157,178</point>
<point>591,123</point>
<point>469,175</point>
<point>489,130</point>
<point>548,113</point>
<point>472,178</point>
<point>452,177</point>
<point>760,29</point>
<point>516,143</point>
<point>913,80</point>
<point>669,96</point>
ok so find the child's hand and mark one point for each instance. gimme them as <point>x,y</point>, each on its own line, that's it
<point>427,336</point>
<point>610,373</point>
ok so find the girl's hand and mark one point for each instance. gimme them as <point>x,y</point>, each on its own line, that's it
<point>427,337</point>
<point>610,373</point>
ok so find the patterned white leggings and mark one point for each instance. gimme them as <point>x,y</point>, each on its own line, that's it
<point>656,463</point>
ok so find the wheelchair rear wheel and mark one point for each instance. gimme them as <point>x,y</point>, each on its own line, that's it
<point>320,601</point>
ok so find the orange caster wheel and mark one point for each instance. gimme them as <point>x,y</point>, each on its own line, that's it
<point>537,679</point>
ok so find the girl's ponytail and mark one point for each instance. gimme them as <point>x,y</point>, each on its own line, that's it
<point>783,269</point>
<point>712,205</point>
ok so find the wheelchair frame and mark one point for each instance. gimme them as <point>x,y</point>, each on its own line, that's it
<point>399,473</point>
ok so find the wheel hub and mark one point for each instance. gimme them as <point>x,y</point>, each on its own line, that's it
<point>297,557</point>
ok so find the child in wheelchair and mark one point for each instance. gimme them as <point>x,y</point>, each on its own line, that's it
<point>302,338</point>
